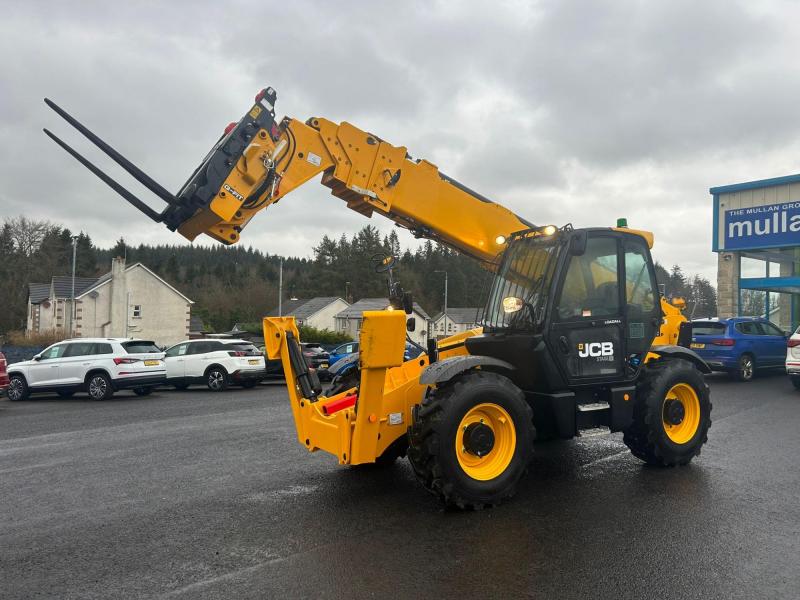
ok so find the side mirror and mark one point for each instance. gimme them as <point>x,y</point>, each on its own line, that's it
<point>411,324</point>
<point>577,244</point>
<point>408,303</point>
<point>37,357</point>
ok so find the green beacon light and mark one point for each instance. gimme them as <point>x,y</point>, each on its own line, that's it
<point>622,222</point>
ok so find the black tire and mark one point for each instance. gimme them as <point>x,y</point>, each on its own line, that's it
<point>217,379</point>
<point>795,382</point>
<point>342,383</point>
<point>98,385</point>
<point>18,388</point>
<point>248,385</point>
<point>434,431</point>
<point>180,386</point>
<point>66,393</point>
<point>143,391</point>
<point>647,437</point>
<point>746,368</point>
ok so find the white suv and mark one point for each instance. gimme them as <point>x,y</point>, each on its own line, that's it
<point>217,363</point>
<point>99,366</point>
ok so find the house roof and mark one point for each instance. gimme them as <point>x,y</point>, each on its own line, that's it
<point>62,287</point>
<point>462,315</point>
<point>303,309</point>
<point>107,277</point>
<point>354,310</point>
<point>38,292</point>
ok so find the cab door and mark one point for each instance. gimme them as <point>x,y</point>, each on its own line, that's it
<point>642,308</point>
<point>586,332</point>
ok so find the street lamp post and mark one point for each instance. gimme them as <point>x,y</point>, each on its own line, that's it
<point>445,300</point>
<point>72,311</point>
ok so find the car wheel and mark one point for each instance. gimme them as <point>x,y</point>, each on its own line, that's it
<point>745,369</point>
<point>18,388</point>
<point>217,379</point>
<point>66,393</point>
<point>99,386</point>
<point>143,391</point>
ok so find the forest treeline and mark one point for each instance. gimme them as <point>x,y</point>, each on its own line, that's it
<point>231,284</point>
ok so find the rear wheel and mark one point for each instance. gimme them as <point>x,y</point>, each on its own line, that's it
<point>99,386</point>
<point>217,379</point>
<point>671,416</point>
<point>471,440</point>
<point>18,388</point>
<point>745,369</point>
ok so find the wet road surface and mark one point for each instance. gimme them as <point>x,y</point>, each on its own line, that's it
<point>194,494</point>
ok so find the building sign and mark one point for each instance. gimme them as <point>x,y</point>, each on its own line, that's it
<point>771,225</point>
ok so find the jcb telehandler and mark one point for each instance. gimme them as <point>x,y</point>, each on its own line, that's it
<point>575,338</point>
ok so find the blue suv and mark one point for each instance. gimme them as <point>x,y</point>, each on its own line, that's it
<point>739,345</point>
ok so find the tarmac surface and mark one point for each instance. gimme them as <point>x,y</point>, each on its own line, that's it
<point>201,495</point>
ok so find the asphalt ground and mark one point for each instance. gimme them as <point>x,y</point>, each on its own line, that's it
<point>201,495</point>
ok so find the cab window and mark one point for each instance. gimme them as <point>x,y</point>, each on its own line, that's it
<point>639,292</point>
<point>591,284</point>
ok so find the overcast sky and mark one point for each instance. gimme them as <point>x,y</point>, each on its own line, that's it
<point>565,111</point>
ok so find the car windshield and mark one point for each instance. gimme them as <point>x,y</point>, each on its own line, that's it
<point>140,347</point>
<point>524,277</point>
<point>707,328</point>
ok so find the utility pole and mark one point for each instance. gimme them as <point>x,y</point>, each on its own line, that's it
<point>280,289</point>
<point>72,311</point>
<point>445,300</point>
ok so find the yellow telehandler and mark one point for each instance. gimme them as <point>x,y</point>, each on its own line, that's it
<point>575,338</point>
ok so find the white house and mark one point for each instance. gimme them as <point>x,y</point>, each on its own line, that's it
<point>349,320</point>
<point>457,320</point>
<point>319,313</point>
<point>130,301</point>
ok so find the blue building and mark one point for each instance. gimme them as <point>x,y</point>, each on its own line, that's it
<point>756,237</point>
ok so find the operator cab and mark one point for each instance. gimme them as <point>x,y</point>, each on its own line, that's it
<point>572,307</point>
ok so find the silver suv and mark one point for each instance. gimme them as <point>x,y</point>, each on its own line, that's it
<point>99,366</point>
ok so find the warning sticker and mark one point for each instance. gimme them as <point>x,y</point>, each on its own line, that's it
<point>314,159</point>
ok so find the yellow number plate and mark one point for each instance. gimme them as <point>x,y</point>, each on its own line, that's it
<point>323,366</point>
<point>697,345</point>
<point>152,363</point>
<point>253,361</point>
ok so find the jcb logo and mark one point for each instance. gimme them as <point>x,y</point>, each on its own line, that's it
<point>595,349</point>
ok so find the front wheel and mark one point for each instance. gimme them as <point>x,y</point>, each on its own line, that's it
<point>18,388</point>
<point>671,416</point>
<point>471,441</point>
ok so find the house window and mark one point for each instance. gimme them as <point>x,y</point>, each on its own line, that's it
<point>137,311</point>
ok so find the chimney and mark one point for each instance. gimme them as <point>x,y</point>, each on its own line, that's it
<point>118,312</point>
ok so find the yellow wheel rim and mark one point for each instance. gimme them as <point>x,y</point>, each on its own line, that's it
<point>496,460</point>
<point>681,413</point>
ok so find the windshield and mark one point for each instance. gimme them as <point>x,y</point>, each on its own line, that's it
<point>524,274</point>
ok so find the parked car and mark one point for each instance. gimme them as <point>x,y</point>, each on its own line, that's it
<point>347,362</point>
<point>342,350</point>
<point>793,358</point>
<point>99,366</point>
<point>216,363</point>
<point>739,345</point>
<point>3,375</point>
<point>316,356</point>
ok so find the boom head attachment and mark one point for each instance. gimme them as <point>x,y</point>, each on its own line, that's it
<point>205,200</point>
